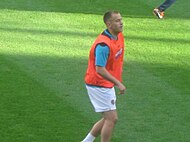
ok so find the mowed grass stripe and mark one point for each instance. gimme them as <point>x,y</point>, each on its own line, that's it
<point>154,105</point>
<point>32,112</point>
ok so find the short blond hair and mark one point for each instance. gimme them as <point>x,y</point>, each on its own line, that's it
<point>108,15</point>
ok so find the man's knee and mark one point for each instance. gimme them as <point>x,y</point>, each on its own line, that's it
<point>111,121</point>
<point>111,116</point>
<point>114,120</point>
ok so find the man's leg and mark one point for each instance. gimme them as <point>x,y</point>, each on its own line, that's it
<point>95,131</point>
<point>110,119</point>
<point>159,12</point>
<point>165,5</point>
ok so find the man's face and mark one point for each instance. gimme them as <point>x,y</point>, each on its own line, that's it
<point>115,23</point>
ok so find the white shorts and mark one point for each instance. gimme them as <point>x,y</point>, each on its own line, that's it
<point>102,99</point>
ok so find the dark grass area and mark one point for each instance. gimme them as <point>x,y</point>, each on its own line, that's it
<point>128,8</point>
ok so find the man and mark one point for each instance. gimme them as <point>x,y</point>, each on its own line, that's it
<point>103,73</point>
<point>159,12</point>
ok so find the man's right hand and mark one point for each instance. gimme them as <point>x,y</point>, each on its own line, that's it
<point>122,88</point>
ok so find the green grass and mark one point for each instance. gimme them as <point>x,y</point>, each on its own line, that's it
<point>44,49</point>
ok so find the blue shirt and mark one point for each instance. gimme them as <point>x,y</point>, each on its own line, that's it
<point>102,52</point>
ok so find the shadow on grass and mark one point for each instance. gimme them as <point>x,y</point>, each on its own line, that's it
<point>50,90</point>
<point>158,39</point>
<point>93,35</point>
<point>65,75</point>
<point>48,32</point>
<point>73,6</point>
<point>41,98</point>
<point>129,8</point>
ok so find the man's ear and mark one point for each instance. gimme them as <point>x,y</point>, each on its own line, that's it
<point>108,24</point>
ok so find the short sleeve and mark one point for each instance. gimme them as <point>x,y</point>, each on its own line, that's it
<point>101,55</point>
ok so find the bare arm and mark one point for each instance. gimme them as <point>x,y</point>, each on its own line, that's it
<point>105,74</point>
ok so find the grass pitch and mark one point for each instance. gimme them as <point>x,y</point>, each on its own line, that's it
<point>44,49</point>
